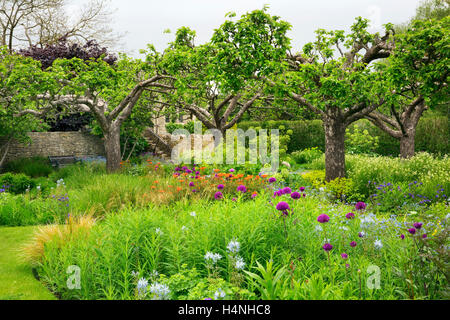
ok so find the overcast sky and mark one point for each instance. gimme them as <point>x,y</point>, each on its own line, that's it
<point>145,20</point>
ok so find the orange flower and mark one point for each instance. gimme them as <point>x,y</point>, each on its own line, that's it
<point>155,182</point>
<point>179,189</point>
<point>153,187</point>
<point>216,170</point>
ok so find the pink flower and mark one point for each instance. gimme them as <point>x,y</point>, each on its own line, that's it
<point>323,218</point>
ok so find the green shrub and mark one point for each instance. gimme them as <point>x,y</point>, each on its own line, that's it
<point>307,155</point>
<point>17,183</point>
<point>433,135</point>
<point>360,141</point>
<point>32,167</point>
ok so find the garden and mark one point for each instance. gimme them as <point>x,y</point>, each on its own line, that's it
<point>357,209</point>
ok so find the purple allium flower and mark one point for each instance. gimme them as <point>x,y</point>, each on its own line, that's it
<point>287,190</point>
<point>301,189</point>
<point>361,234</point>
<point>296,195</point>
<point>232,170</point>
<point>402,236</point>
<point>242,189</point>
<point>323,218</point>
<point>347,265</point>
<point>418,225</point>
<point>218,195</point>
<point>350,215</point>
<point>234,200</point>
<point>191,184</point>
<point>220,187</point>
<point>344,256</point>
<point>424,236</point>
<point>327,247</point>
<point>272,180</point>
<point>412,231</point>
<point>360,206</point>
<point>353,244</point>
<point>284,207</point>
<point>254,195</point>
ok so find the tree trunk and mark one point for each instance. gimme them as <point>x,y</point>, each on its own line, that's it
<point>407,144</point>
<point>334,148</point>
<point>112,149</point>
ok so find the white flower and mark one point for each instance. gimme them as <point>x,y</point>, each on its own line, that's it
<point>219,294</point>
<point>159,291</point>
<point>212,257</point>
<point>233,246</point>
<point>135,274</point>
<point>377,244</point>
<point>240,264</point>
<point>158,231</point>
<point>38,188</point>
<point>193,214</point>
<point>343,228</point>
<point>319,228</point>
<point>183,228</point>
<point>142,286</point>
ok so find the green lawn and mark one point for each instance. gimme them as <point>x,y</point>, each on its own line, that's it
<point>16,278</point>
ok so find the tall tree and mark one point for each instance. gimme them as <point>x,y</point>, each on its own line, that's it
<point>25,23</point>
<point>217,82</point>
<point>15,72</point>
<point>109,91</point>
<point>418,74</point>
<point>340,86</point>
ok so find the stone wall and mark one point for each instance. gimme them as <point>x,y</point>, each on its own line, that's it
<point>47,144</point>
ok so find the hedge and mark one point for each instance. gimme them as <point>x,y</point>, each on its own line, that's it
<point>432,134</point>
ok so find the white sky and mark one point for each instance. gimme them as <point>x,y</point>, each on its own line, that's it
<point>145,20</point>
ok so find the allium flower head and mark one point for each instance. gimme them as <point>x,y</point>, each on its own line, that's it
<point>272,180</point>
<point>301,189</point>
<point>323,218</point>
<point>254,195</point>
<point>327,247</point>
<point>402,236</point>
<point>242,189</point>
<point>296,195</point>
<point>191,184</point>
<point>362,234</point>
<point>220,187</point>
<point>418,225</point>
<point>353,244</point>
<point>412,230</point>
<point>350,215</point>
<point>284,207</point>
<point>218,195</point>
<point>360,206</point>
<point>287,190</point>
<point>232,170</point>
<point>344,256</point>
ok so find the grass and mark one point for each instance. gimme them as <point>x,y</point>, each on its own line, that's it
<point>16,278</point>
